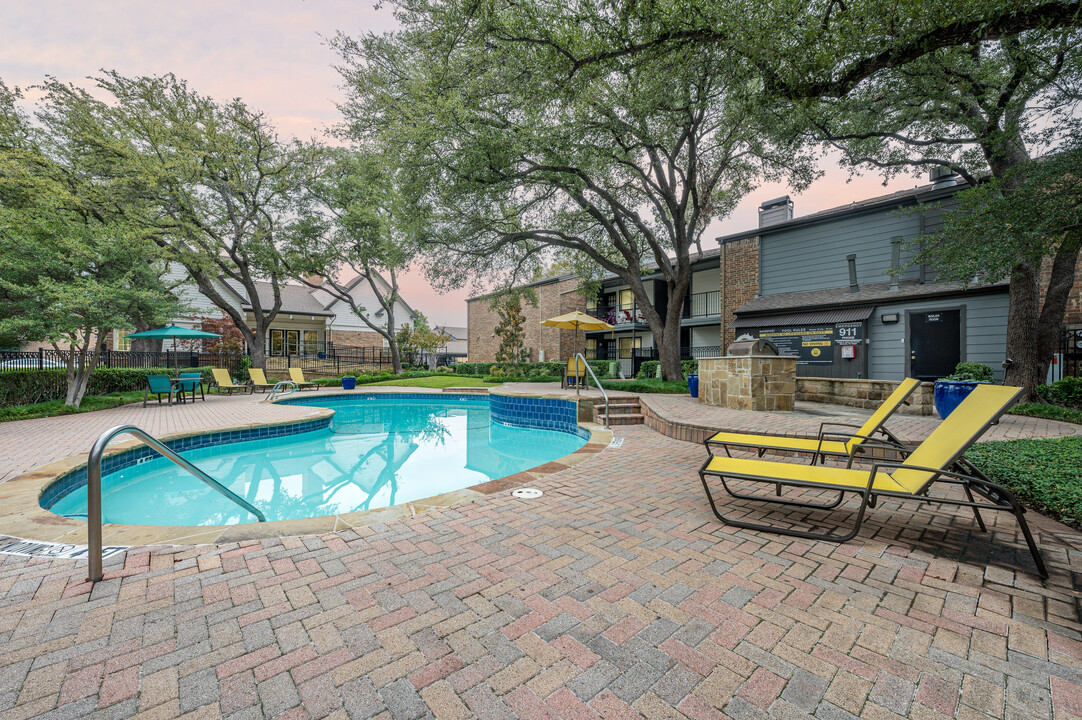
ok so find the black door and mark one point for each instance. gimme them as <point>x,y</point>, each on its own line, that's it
<point>935,343</point>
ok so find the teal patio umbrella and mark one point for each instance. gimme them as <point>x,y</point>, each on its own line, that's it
<point>173,331</point>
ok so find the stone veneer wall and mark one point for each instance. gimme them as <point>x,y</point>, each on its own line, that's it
<point>554,298</point>
<point>748,382</point>
<point>868,394</point>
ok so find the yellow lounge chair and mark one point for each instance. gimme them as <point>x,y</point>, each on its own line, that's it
<point>939,459</point>
<point>222,381</point>
<point>575,373</point>
<point>297,376</point>
<point>259,380</point>
<point>844,443</point>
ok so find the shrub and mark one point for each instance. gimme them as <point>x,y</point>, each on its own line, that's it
<point>648,369</point>
<point>648,385</point>
<point>1066,392</point>
<point>26,387</point>
<point>972,371</point>
<point>689,366</point>
<point>1046,474</point>
<point>445,370</point>
<point>1049,412</point>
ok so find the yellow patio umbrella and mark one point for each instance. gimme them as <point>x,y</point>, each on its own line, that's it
<point>577,321</point>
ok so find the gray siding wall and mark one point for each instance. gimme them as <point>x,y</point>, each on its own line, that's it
<point>813,257</point>
<point>985,330</point>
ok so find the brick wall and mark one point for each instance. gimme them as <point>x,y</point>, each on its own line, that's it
<point>555,298</point>
<point>739,274</point>
<point>1073,315</point>
<point>355,338</point>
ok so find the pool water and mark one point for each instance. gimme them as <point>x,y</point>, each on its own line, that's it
<point>376,453</point>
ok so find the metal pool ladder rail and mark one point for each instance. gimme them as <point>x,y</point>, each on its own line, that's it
<point>93,488</point>
<point>280,386</point>
<point>598,383</point>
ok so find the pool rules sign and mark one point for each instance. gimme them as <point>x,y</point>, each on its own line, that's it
<point>816,345</point>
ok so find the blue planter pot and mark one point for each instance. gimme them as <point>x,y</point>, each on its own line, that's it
<point>949,394</point>
<point>693,384</point>
<point>348,383</point>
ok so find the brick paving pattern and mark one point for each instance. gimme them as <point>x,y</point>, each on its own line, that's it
<point>616,595</point>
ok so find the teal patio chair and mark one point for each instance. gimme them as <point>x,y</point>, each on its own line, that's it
<point>159,385</point>
<point>189,383</point>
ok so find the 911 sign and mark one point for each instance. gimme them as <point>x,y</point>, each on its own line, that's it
<point>848,334</point>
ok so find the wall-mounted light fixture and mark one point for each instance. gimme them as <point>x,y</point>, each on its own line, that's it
<point>888,318</point>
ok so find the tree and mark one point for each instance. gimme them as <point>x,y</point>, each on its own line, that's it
<point>510,329</point>
<point>511,154</point>
<point>806,49</point>
<point>221,183</point>
<point>72,266</point>
<point>1029,216</point>
<point>353,223</point>
<point>983,110</point>
<point>426,339</point>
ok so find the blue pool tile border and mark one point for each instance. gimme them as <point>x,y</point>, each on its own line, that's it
<point>76,479</point>
<point>517,411</point>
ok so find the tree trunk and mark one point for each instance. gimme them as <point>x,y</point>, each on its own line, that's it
<point>257,349</point>
<point>396,356</point>
<point>1024,366</point>
<point>147,345</point>
<point>81,363</point>
<point>1061,279</point>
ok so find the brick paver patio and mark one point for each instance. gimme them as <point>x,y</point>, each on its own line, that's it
<point>616,595</point>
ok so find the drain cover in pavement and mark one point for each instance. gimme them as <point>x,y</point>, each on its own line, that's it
<point>527,493</point>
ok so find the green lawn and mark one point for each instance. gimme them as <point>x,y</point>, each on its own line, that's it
<point>1045,474</point>
<point>437,381</point>
<point>1049,412</point>
<point>57,407</point>
<point>648,385</point>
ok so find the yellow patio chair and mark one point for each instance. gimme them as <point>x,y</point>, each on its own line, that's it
<point>939,459</point>
<point>297,376</point>
<point>223,382</point>
<point>259,380</point>
<point>575,373</point>
<point>828,443</point>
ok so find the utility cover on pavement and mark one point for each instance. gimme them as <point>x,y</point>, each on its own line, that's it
<point>527,493</point>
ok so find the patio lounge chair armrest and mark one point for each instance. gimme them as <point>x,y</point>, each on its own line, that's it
<point>825,424</point>
<point>868,438</point>
<point>961,477</point>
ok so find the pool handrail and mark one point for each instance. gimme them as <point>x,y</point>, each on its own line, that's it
<point>598,383</point>
<point>93,488</point>
<point>278,386</point>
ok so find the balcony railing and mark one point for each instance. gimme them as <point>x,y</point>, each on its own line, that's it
<point>686,353</point>
<point>703,304</point>
<point>623,314</point>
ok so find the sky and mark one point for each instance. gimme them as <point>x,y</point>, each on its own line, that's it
<point>272,53</point>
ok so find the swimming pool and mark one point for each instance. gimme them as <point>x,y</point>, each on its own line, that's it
<point>377,451</point>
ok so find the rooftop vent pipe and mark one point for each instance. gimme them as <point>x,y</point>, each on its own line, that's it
<point>853,287</point>
<point>895,262</point>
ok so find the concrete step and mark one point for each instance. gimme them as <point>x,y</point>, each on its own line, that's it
<point>619,409</point>
<point>628,419</point>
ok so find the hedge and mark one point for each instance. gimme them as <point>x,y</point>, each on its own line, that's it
<point>26,387</point>
<point>1066,392</point>
<point>530,371</point>
<point>649,368</point>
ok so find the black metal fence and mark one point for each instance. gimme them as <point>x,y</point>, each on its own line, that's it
<point>1071,352</point>
<point>48,358</point>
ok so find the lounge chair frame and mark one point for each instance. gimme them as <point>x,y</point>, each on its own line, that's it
<point>231,388</point>
<point>762,443</point>
<point>971,480</point>
<point>957,471</point>
<point>147,391</point>
<point>261,387</point>
<point>302,385</point>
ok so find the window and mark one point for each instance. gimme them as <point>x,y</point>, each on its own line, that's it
<point>311,342</point>
<point>591,348</point>
<point>277,342</point>
<point>121,342</point>
<point>293,342</point>
<point>627,300</point>
<point>591,305</point>
<point>626,345</point>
